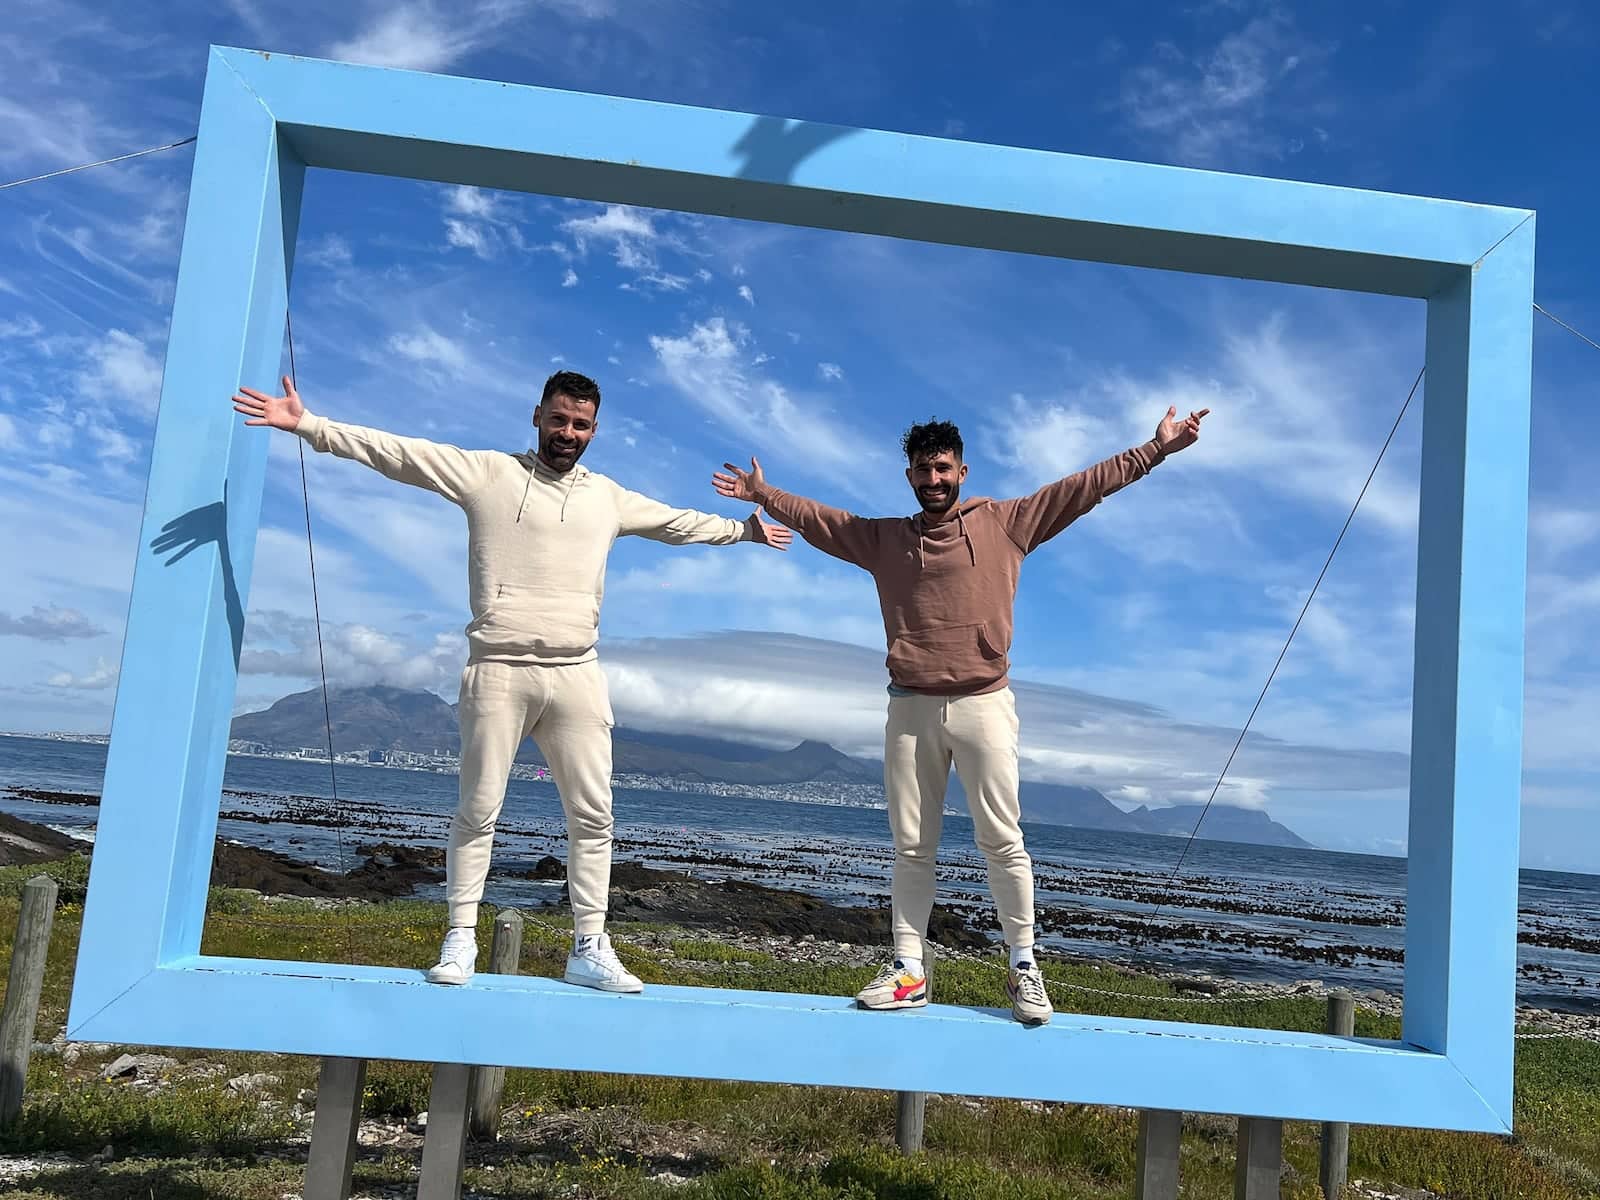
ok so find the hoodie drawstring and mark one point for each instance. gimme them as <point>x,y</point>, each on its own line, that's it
<point>972,549</point>
<point>525,489</point>
<point>568,496</point>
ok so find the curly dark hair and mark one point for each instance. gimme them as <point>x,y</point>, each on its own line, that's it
<point>930,438</point>
<point>570,383</point>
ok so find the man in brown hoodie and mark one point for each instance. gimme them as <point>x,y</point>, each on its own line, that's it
<point>947,585</point>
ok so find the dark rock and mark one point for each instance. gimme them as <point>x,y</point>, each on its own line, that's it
<point>23,843</point>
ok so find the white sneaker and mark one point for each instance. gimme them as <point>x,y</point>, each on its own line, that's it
<point>1030,999</point>
<point>457,958</point>
<point>596,965</point>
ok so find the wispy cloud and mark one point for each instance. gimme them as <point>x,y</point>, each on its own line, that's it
<point>422,36</point>
<point>1253,95</point>
<point>713,367</point>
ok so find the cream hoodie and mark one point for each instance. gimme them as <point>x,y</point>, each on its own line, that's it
<point>537,541</point>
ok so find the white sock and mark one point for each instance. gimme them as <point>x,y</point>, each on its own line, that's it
<point>911,966</point>
<point>1022,956</point>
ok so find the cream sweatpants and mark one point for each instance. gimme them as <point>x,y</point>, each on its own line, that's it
<point>979,733</point>
<point>567,711</point>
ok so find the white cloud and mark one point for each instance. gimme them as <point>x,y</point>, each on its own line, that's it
<point>8,433</point>
<point>570,279</point>
<point>432,348</point>
<point>121,369</point>
<point>635,244</point>
<point>466,236</point>
<point>22,327</point>
<point>355,654</point>
<point>832,372</point>
<point>471,202</point>
<point>616,223</point>
<point>104,675</point>
<point>51,624</point>
<point>745,294</point>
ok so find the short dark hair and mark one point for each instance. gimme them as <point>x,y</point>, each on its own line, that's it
<point>930,438</point>
<point>570,383</point>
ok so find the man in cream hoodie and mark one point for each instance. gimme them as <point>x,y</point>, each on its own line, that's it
<point>539,529</point>
<point>947,586</point>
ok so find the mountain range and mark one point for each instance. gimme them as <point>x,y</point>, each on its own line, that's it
<point>390,718</point>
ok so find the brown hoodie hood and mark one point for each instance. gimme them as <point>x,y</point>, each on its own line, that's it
<point>948,588</point>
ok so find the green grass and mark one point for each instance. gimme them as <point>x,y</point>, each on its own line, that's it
<point>574,1134</point>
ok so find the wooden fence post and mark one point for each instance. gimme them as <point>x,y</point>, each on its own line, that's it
<point>1336,1134</point>
<point>340,1083</point>
<point>910,1113</point>
<point>489,1082</point>
<point>28,956</point>
<point>444,1146</point>
<point>1258,1169</point>
<point>1160,1137</point>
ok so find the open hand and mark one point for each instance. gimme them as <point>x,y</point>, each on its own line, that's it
<point>765,533</point>
<point>740,485</point>
<point>280,412</point>
<point>1173,435</point>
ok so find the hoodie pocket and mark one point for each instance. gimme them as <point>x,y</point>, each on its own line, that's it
<point>544,622</point>
<point>947,656</point>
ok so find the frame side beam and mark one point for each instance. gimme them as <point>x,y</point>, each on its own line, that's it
<point>1466,759</point>
<point>169,730</point>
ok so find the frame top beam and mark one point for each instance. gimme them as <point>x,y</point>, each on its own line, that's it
<point>522,138</point>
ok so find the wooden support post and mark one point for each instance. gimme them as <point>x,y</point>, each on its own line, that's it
<point>1259,1166</point>
<point>28,956</point>
<point>489,1082</point>
<point>910,1113</point>
<point>444,1146</point>
<point>1336,1134</point>
<point>340,1083</point>
<point>1160,1135</point>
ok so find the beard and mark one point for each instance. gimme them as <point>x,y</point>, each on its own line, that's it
<point>560,454</point>
<point>936,501</point>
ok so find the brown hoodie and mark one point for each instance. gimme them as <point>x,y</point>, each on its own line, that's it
<point>947,588</point>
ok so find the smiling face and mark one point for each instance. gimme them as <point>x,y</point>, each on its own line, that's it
<point>936,479</point>
<point>566,426</point>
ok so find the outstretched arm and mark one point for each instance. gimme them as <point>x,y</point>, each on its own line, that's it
<point>643,517</point>
<point>831,530</point>
<point>452,472</point>
<point>1034,519</point>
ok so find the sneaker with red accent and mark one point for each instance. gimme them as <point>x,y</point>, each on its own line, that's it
<point>894,987</point>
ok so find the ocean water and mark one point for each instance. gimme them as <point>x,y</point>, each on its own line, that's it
<point>1243,911</point>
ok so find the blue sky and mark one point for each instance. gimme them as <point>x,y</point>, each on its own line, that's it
<point>1143,633</point>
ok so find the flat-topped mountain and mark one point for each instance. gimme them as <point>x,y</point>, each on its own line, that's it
<point>390,718</point>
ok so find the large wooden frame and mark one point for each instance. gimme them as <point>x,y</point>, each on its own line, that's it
<point>266,118</point>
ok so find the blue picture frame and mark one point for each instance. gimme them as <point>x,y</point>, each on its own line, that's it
<point>267,117</point>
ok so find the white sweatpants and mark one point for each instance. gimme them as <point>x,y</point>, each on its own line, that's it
<point>923,736</point>
<point>567,711</point>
